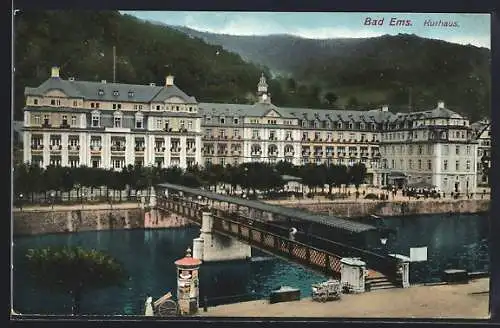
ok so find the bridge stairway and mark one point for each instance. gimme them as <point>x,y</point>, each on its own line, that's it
<point>380,282</point>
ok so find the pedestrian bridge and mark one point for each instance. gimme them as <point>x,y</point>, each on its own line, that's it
<point>230,226</point>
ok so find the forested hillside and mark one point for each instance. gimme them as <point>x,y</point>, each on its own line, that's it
<point>369,71</point>
<point>81,44</point>
<point>347,73</point>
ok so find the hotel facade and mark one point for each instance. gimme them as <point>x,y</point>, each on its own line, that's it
<point>112,125</point>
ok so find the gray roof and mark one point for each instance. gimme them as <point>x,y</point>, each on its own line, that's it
<point>331,221</point>
<point>261,109</point>
<point>126,92</point>
<point>241,110</point>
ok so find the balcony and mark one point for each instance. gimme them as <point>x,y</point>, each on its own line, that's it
<point>95,148</point>
<point>289,153</point>
<point>139,148</point>
<point>191,150</point>
<point>288,139</point>
<point>117,149</point>
<point>273,154</point>
<point>175,150</point>
<point>306,154</point>
<point>73,148</point>
<point>160,149</point>
<point>256,153</point>
<point>36,148</point>
<point>55,148</point>
<point>46,125</point>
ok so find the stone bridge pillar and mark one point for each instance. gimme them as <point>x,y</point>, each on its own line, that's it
<point>404,269</point>
<point>213,247</point>
<point>352,274</point>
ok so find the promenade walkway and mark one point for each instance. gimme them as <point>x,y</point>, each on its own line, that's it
<point>439,301</point>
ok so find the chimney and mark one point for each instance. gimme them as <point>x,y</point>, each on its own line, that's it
<point>385,108</point>
<point>103,81</point>
<point>55,71</point>
<point>169,81</point>
<point>440,104</point>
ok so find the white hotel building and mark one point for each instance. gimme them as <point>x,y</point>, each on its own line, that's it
<point>110,125</point>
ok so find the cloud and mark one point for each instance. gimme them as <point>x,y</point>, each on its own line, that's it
<point>263,25</point>
<point>474,40</point>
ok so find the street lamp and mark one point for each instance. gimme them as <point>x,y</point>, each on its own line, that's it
<point>246,179</point>
<point>52,199</point>
<point>383,241</point>
<point>83,196</point>
<point>21,201</point>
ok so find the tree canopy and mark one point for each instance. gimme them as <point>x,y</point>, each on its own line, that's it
<point>74,270</point>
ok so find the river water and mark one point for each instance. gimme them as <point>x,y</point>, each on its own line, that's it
<point>453,241</point>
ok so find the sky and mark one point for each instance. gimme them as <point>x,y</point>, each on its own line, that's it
<point>470,29</point>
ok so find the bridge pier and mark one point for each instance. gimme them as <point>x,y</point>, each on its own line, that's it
<point>213,247</point>
<point>404,269</point>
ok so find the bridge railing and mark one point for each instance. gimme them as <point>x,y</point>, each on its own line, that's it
<point>323,254</point>
<point>315,258</point>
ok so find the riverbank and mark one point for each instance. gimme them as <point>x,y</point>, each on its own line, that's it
<point>439,301</point>
<point>35,220</point>
<point>366,207</point>
<point>72,218</point>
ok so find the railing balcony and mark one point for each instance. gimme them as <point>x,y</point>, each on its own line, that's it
<point>118,148</point>
<point>46,125</point>
<point>64,126</point>
<point>36,147</point>
<point>256,153</point>
<point>289,153</point>
<point>139,148</point>
<point>274,153</point>
<point>55,147</point>
<point>160,149</point>
<point>175,149</point>
<point>191,150</point>
<point>95,148</point>
<point>73,147</point>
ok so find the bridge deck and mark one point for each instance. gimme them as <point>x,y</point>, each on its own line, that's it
<point>291,213</point>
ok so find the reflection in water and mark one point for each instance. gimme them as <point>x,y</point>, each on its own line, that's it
<point>456,241</point>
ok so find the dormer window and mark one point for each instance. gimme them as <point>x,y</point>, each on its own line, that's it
<point>362,126</point>
<point>350,126</point>
<point>100,92</point>
<point>35,101</point>
<point>190,108</point>
<point>222,120</point>
<point>316,124</point>
<point>235,120</point>
<point>208,118</point>
<point>117,120</point>
<point>339,125</point>
<point>116,93</point>
<point>131,94</point>
<point>303,123</point>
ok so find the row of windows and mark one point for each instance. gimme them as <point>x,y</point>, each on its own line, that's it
<point>223,120</point>
<point>419,165</point>
<point>419,150</point>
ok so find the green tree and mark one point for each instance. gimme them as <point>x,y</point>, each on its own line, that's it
<point>331,98</point>
<point>357,174</point>
<point>74,270</point>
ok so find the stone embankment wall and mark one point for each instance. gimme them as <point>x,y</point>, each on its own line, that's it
<point>363,208</point>
<point>43,221</point>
